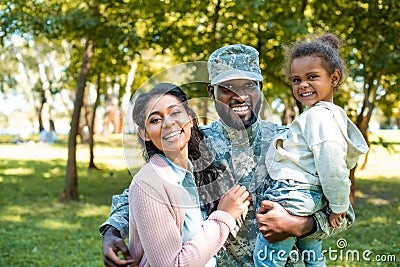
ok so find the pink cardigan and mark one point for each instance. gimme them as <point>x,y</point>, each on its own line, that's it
<point>156,219</point>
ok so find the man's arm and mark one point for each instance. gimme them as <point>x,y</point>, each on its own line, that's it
<point>119,215</point>
<point>276,224</point>
<point>114,230</point>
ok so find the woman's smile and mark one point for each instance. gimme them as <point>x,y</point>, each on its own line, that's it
<point>172,135</point>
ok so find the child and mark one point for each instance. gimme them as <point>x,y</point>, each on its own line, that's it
<point>166,227</point>
<point>309,163</point>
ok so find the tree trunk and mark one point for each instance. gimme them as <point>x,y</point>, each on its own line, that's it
<point>45,84</point>
<point>71,180</point>
<point>353,187</point>
<point>91,126</point>
<point>29,92</point>
<point>362,123</point>
<point>263,111</point>
<point>40,119</point>
<point>364,165</point>
<point>111,116</point>
<point>121,121</point>
<point>289,113</point>
<point>127,95</point>
<point>205,109</point>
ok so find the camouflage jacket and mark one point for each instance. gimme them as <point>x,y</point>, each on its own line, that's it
<point>240,157</point>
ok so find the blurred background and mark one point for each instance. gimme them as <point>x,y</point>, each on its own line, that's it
<point>69,68</point>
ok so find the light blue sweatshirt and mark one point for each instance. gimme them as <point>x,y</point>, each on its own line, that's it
<point>319,148</point>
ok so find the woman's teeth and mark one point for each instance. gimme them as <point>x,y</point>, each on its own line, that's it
<point>173,134</point>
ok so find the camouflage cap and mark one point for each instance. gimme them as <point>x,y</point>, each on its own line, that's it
<point>232,62</point>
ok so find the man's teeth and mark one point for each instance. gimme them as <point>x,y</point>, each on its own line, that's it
<point>240,109</point>
<point>173,134</point>
<point>307,94</point>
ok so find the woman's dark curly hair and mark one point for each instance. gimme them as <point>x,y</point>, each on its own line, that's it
<point>205,171</point>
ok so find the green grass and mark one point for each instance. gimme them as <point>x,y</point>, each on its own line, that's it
<point>376,228</point>
<point>37,230</point>
<point>377,225</point>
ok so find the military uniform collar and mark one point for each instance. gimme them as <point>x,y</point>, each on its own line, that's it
<point>240,137</point>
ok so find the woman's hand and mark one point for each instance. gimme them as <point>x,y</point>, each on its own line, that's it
<point>235,201</point>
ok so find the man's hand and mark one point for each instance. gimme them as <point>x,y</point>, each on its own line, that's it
<point>112,244</point>
<point>276,224</point>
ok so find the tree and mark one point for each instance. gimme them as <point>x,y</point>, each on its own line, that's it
<point>96,25</point>
<point>71,182</point>
<point>91,123</point>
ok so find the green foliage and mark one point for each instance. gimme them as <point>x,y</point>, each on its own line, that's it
<point>181,31</point>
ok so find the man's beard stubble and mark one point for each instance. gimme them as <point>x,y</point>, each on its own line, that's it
<point>234,121</point>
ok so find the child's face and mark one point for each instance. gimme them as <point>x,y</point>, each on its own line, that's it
<point>167,124</point>
<point>311,82</point>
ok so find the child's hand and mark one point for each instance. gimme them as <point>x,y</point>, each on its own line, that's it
<point>335,219</point>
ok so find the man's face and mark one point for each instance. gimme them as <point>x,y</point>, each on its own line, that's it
<point>237,102</point>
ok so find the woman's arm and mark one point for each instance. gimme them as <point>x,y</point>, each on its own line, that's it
<point>158,225</point>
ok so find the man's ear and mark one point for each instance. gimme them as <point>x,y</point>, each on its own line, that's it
<point>210,89</point>
<point>336,77</point>
<point>143,134</point>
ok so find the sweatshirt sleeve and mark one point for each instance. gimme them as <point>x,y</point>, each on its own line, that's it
<point>157,224</point>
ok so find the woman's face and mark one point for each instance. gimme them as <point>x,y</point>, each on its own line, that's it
<point>167,125</point>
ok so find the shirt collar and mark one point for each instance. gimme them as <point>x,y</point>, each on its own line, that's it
<point>178,170</point>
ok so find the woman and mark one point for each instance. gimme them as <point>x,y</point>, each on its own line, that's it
<point>166,225</point>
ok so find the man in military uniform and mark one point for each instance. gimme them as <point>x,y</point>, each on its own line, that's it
<point>239,141</point>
